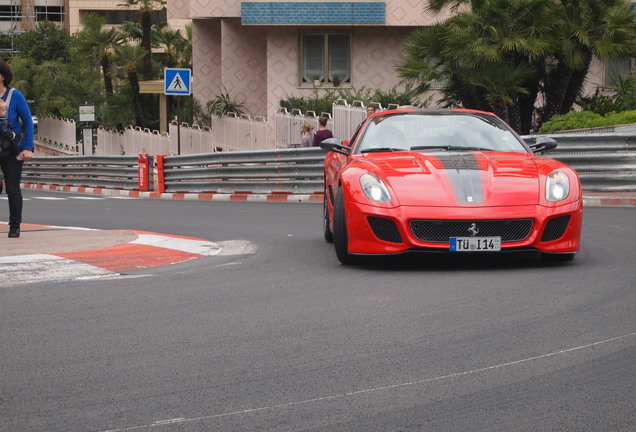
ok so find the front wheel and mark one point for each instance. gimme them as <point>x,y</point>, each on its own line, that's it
<point>340,237</point>
<point>325,218</point>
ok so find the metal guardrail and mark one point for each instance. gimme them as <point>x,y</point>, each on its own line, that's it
<point>604,163</point>
<point>291,171</point>
<point>90,171</point>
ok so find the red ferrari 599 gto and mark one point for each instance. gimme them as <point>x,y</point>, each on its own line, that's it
<point>447,180</point>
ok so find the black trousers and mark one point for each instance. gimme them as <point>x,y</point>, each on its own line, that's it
<point>12,169</point>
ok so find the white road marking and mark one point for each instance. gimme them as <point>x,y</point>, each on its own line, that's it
<point>113,276</point>
<point>236,247</point>
<point>21,269</point>
<point>376,389</point>
<point>170,421</point>
<point>180,244</point>
<point>223,248</point>
<point>49,198</point>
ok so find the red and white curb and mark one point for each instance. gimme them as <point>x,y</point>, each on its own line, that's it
<point>203,196</point>
<point>316,197</point>
<point>147,250</point>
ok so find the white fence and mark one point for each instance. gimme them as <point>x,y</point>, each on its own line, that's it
<point>58,133</point>
<point>343,122</point>
<point>288,126</point>
<point>238,133</point>
<point>229,133</point>
<point>131,141</point>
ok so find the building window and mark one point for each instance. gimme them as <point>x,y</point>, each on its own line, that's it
<point>117,17</point>
<point>49,13</point>
<point>9,12</point>
<point>618,70</point>
<point>325,58</point>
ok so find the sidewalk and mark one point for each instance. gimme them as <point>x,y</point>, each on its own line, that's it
<point>111,249</point>
<point>43,239</point>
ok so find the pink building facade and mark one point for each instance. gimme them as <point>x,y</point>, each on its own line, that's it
<point>261,51</point>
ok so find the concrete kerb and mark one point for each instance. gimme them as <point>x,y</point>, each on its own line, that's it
<point>203,196</point>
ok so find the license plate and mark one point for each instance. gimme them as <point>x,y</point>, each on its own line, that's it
<point>475,244</point>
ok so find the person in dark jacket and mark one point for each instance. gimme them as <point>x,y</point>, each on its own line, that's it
<point>322,133</point>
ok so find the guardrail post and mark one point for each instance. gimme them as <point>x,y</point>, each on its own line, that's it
<point>160,173</point>
<point>144,164</point>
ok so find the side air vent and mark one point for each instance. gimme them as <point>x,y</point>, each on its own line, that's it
<point>385,229</point>
<point>555,228</point>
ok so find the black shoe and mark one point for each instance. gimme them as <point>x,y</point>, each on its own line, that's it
<point>14,232</point>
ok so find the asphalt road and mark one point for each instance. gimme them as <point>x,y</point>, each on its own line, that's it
<point>287,339</point>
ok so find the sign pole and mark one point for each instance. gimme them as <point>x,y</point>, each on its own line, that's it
<point>178,125</point>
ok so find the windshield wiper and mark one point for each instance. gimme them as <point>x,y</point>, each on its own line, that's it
<point>450,147</point>
<point>381,149</point>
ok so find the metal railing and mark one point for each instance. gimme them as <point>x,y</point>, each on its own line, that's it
<point>291,171</point>
<point>119,172</point>
<point>605,162</point>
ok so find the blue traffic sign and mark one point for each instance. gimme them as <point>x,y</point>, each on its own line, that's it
<point>177,82</point>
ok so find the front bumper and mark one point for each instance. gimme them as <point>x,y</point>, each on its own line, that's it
<point>363,238</point>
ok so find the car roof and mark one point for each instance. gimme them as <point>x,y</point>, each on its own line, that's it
<point>431,111</point>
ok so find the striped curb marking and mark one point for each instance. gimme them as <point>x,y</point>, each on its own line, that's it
<point>204,196</point>
<point>148,250</point>
<point>249,197</point>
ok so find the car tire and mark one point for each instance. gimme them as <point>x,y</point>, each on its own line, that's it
<point>325,218</point>
<point>340,237</point>
<point>558,257</point>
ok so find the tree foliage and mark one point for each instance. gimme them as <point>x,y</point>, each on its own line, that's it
<point>58,73</point>
<point>506,56</point>
<point>46,42</point>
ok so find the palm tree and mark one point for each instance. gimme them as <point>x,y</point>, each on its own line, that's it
<point>131,30</point>
<point>171,41</point>
<point>186,48</point>
<point>503,52</point>
<point>145,10</point>
<point>486,58</point>
<point>602,28</point>
<point>130,56</point>
<point>98,43</point>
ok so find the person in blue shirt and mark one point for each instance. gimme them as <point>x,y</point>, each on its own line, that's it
<point>21,123</point>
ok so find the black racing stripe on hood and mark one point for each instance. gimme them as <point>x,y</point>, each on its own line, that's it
<point>463,171</point>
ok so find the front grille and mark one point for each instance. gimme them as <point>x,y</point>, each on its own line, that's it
<point>555,228</point>
<point>439,231</point>
<point>385,229</point>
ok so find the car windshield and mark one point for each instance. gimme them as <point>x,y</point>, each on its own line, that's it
<point>416,131</point>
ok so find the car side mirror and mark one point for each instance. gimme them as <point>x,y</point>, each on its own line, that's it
<point>335,145</point>
<point>543,143</point>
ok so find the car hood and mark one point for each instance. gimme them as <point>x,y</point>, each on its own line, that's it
<point>460,178</point>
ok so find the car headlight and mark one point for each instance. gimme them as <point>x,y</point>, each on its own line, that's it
<point>557,186</point>
<point>374,188</point>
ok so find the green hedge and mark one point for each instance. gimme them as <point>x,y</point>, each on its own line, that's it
<point>587,119</point>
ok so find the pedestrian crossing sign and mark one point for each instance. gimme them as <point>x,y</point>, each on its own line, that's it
<point>177,82</point>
